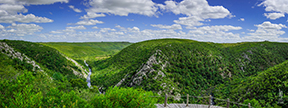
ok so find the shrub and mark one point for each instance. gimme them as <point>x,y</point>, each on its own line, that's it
<point>20,92</point>
<point>124,98</point>
<point>56,98</point>
<point>78,83</point>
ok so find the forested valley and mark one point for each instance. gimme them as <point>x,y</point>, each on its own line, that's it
<point>134,74</point>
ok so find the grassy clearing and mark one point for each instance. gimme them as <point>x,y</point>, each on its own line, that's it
<point>88,50</point>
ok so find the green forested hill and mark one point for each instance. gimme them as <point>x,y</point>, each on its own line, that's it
<point>178,66</point>
<point>88,50</point>
<point>47,57</point>
<point>267,89</point>
<point>248,72</point>
<point>32,71</point>
<point>35,75</point>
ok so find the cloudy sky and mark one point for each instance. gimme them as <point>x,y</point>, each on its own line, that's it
<point>138,20</point>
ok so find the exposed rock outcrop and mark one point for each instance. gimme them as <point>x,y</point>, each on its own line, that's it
<point>153,69</point>
<point>121,81</point>
<point>83,71</point>
<point>243,62</point>
<point>156,59</point>
<point>9,51</point>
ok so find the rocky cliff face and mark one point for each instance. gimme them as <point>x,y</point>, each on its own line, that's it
<point>246,60</point>
<point>149,68</point>
<point>154,68</point>
<point>83,72</point>
<point>9,51</point>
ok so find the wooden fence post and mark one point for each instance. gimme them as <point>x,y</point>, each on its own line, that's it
<point>228,103</point>
<point>165,103</point>
<point>249,106</point>
<point>209,101</point>
<point>187,100</point>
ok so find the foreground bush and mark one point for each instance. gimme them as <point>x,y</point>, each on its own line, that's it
<point>27,91</point>
<point>23,93</point>
<point>124,98</point>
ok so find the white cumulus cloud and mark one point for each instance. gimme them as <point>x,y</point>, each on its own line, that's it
<point>21,29</point>
<point>174,26</point>
<point>75,9</point>
<point>218,33</point>
<point>250,30</point>
<point>266,31</point>
<point>89,22</point>
<point>275,5</point>
<point>2,27</point>
<point>219,28</point>
<point>269,26</point>
<point>11,11</point>
<point>123,7</point>
<point>33,2</point>
<point>279,6</point>
<point>274,16</point>
<point>106,30</point>
<point>95,27</point>
<point>13,8</point>
<point>199,8</point>
<point>134,29</point>
<point>23,18</point>
<point>196,11</point>
<point>190,21</point>
<point>92,15</point>
<point>69,29</point>
<point>77,27</point>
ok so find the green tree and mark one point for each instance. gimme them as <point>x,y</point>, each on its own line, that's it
<point>124,98</point>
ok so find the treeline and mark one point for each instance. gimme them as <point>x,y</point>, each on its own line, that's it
<point>266,89</point>
<point>196,68</point>
<point>88,50</point>
<point>29,90</point>
<point>46,56</point>
<point>20,86</point>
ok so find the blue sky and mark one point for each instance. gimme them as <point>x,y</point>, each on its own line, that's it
<point>221,21</point>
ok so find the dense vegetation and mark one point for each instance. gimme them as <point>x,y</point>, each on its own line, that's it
<point>125,98</point>
<point>21,86</point>
<point>268,88</point>
<point>88,50</point>
<point>196,68</point>
<point>248,72</point>
<point>29,90</point>
<point>46,57</point>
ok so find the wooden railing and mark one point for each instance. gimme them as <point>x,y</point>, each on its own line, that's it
<point>228,102</point>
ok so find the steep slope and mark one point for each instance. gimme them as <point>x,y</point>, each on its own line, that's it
<point>41,58</point>
<point>266,89</point>
<point>34,75</point>
<point>178,66</point>
<point>33,71</point>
